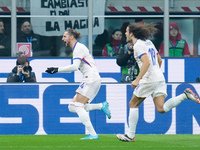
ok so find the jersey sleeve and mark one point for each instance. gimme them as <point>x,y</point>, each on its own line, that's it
<point>70,68</point>
<point>78,53</point>
<point>139,51</point>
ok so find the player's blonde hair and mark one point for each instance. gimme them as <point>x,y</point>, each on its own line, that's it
<point>73,32</point>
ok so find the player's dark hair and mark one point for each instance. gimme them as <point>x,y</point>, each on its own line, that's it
<point>73,32</point>
<point>142,30</point>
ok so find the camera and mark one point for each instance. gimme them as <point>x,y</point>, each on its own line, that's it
<point>130,49</point>
<point>25,69</point>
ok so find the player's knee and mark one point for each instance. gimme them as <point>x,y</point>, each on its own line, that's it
<point>160,110</point>
<point>86,107</point>
<point>72,107</point>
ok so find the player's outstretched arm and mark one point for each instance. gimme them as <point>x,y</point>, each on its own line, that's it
<point>70,68</point>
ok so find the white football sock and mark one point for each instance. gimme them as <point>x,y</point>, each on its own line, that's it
<point>133,119</point>
<point>89,107</point>
<point>173,102</point>
<point>72,107</point>
<point>84,117</point>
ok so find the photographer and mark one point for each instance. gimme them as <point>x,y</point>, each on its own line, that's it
<point>22,72</point>
<point>129,67</point>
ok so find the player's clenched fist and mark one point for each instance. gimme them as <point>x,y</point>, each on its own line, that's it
<point>52,70</point>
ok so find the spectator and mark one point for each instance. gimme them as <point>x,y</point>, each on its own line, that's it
<point>27,35</point>
<point>113,48</point>
<point>22,72</point>
<point>178,47</point>
<point>100,41</point>
<point>5,41</point>
<point>129,67</point>
<point>158,36</point>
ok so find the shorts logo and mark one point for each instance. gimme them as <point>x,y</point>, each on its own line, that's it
<point>137,87</point>
<point>82,85</point>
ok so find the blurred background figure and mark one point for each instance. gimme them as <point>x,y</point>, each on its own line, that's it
<point>22,72</point>
<point>113,48</point>
<point>99,43</point>
<point>158,36</point>
<point>123,30</point>
<point>65,52</point>
<point>178,47</point>
<point>28,36</point>
<point>129,67</point>
<point>5,41</point>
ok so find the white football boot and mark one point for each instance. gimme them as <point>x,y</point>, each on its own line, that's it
<point>125,138</point>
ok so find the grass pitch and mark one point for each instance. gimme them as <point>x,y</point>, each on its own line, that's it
<point>105,142</point>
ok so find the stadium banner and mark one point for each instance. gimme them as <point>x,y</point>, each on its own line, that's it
<point>174,69</point>
<point>42,108</point>
<point>63,14</point>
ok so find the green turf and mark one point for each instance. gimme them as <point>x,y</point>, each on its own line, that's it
<point>105,142</point>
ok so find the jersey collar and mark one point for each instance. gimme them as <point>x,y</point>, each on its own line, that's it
<point>74,46</point>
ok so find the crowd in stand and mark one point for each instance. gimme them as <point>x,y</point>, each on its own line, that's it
<point>105,45</point>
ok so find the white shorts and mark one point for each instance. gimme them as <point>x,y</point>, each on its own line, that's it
<point>89,89</point>
<point>154,89</point>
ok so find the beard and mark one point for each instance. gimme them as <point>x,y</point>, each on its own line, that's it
<point>67,44</point>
